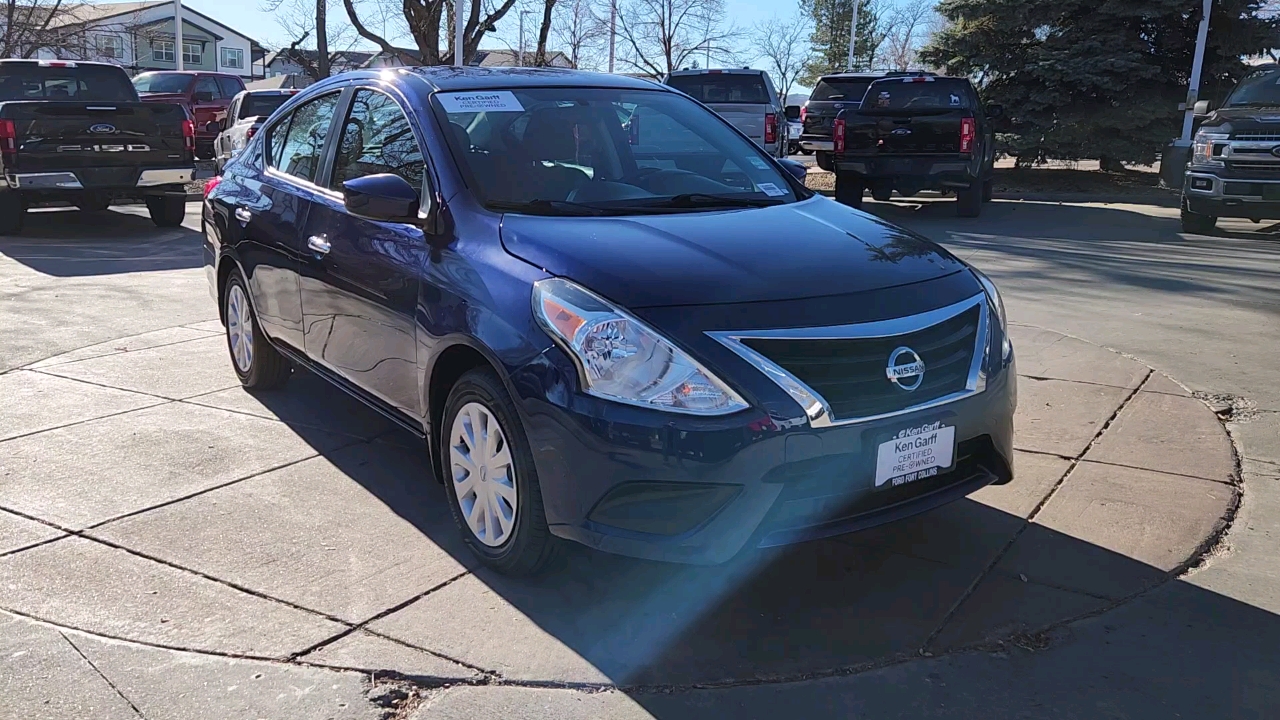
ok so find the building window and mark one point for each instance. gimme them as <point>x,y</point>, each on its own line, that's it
<point>233,58</point>
<point>191,53</point>
<point>110,46</point>
<point>163,50</point>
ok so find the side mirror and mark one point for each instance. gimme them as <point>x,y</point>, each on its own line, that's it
<point>796,168</point>
<point>213,126</point>
<point>202,96</point>
<point>384,197</point>
<point>793,112</point>
<point>994,110</point>
<point>1201,108</point>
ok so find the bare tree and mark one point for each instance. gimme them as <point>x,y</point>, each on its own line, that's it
<point>660,36</point>
<point>304,20</point>
<point>424,21</point>
<point>31,26</point>
<point>578,30</point>
<point>908,28</point>
<point>544,30</point>
<point>784,46</point>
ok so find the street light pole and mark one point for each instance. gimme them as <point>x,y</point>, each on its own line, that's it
<point>520,58</point>
<point>177,33</point>
<point>613,30</point>
<point>457,32</point>
<point>1193,92</point>
<point>853,35</point>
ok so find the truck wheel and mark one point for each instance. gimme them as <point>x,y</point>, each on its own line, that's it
<point>988,189</point>
<point>12,212</point>
<point>824,161</point>
<point>882,192</point>
<point>849,191</point>
<point>969,200</point>
<point>1196,223</point>
<point>167,211</point>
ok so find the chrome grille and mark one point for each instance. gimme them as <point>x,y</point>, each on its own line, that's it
<point>1257,138</point>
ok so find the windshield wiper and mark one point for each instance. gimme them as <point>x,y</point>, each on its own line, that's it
<point>708,200</point>
<point>547,207</point>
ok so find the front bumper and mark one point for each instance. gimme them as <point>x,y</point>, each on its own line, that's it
<point>1208,193</point>
<point>95,179</point>
<point>700,490</point>
<point>925,171</point>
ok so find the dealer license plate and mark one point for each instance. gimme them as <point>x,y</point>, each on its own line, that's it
<point>915,454</point>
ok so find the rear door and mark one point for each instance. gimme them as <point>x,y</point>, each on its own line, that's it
<point>741,98</point>
<point>829,97</point>
<point>917,115</point>
<point>360,279</point>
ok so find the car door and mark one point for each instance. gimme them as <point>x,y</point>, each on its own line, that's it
<point>206,103</point>
<point>360,282</point>
<point>276,203</point>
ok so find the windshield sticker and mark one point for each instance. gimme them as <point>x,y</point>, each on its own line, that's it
<point>771,190</point>
<point>955,100</point>
<point>469,102</point>
<point>882,100</point>
<point>760,164</point>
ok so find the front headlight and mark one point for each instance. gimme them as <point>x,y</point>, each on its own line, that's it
<point>997,308</point>
<point>620,358</point>
<point>1202,151</point>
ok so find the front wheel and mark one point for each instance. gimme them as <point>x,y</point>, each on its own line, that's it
<point>258,365</point>
<point>1197,224</point>
<point>849,191</point>
<point>490,477</point>
<point>167,211</point>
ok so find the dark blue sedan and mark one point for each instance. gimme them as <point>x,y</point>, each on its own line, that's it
<point>611,316</point>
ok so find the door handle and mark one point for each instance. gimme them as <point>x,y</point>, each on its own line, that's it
<point>243,215</point>
<point>319,245</point>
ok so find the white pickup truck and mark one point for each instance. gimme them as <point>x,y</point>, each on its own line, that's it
<point>744,97</point>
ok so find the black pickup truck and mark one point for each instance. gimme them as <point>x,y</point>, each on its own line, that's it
<point>914,133</point>
<point>76,133</point>
<point>1235,160</point>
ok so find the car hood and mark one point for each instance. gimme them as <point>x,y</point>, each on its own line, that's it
<point>807,249</point>
<point>1244,119</point>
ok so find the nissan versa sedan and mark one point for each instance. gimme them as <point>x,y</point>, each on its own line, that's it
<point>611,316</point>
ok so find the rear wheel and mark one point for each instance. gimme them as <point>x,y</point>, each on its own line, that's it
<point>988,189</point>
<point>1196,223</point>
<point>258,365</point>
<point>490,477</point>
<point>167,210</point>
<point>12,212</point>
<point>969,200</point>
<point>849,190</point>
<point>882,192</point>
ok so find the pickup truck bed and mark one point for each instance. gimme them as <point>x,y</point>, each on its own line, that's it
<point>75,133</point>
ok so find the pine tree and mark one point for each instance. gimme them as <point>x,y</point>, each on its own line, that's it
<point>830,38</point>
<point>1096,78</point>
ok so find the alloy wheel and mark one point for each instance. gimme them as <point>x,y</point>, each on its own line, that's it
<point>240,329</point>
<point>483,474</point>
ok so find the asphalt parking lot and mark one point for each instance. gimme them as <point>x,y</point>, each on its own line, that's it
<point>172,546</point>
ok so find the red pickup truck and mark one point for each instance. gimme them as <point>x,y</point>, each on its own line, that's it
<point>205,95</point>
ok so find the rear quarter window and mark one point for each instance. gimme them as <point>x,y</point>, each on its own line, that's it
<point>723,88</point>
<point>850,90</point>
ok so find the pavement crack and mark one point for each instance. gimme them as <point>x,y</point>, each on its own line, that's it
<point>102,675</point>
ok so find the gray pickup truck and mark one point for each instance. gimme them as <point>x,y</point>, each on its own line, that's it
<point>744,97</point>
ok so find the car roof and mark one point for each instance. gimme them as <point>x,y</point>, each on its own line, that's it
<point>717,71</point>
<point>449,78</point>
<point>875,74</point>
<point>270,91</point>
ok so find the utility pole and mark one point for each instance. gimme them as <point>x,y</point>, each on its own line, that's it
<point>1193,92</point>
<point>613,30</point>
<point>520,58</point>
<point>853,34</point>
<point>177,33</point>
<point>457,32</point>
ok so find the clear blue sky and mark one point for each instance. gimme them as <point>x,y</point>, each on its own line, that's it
<point>247,17</point>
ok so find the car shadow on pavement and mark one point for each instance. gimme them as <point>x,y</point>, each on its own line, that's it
<point>70,243</point>
<point>965,581</point>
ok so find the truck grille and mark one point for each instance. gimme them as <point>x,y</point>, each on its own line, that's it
<point>849,373</point>
<point>1257,138</point>
<point>1254,169</point>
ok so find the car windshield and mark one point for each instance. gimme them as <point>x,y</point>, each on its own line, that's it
<point>592,151</point>
<point>1259,89</point>
<point>161,83</point>
<point>262,105</point>
<point>831,88</point>
<point>21,81</point>
<point>713,87</point>
<point>911,94</point>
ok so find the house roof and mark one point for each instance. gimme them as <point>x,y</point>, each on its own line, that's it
<point>508,58</point>
<point>279,82</point>
<point>82,13</point>
<point>354,58</point>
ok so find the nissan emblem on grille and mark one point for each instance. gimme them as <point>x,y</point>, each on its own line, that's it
<point>102,129</point>
<point>905,369</point>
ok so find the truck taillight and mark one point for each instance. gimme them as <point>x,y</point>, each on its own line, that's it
<point>770,128</point>
<point>189,135</point>
<point>804,110</point>
<point>8,139</point>
<point>837,135</point>
<point>248,134</point>
<point>211,183</point>
<point>968,131</point>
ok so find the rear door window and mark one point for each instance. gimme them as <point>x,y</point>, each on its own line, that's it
<point>925,94</point>
<point>229,86</point>
<point>836,89</point>
<point>296,143</point>
<point>723,88</point>
<point>207,85</point>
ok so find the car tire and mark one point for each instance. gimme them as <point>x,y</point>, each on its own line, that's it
<point>805,151</point>
<point>167,211</point>
<point>849,191</point>
<point>12,214</point>
<point>881,193</point>
<point>969,200</point>
<point>257,363</point>
<point>988,189</point>
<point>1197,224</point>
<point>501,484</point>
